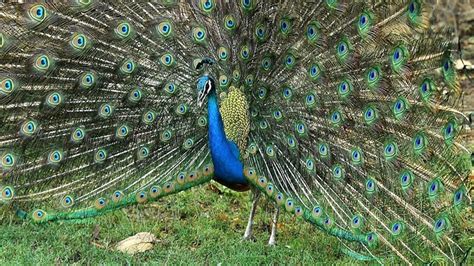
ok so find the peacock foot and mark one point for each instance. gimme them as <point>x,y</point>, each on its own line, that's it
<point>248,229</point>
<point>272,240</point>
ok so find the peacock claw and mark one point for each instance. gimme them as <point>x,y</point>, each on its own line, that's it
<point>272,242</point>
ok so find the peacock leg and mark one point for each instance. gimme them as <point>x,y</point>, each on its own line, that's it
<point>272,240</point>
<point>255,198</point>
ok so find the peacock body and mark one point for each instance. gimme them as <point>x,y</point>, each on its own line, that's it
<point>342,113</point>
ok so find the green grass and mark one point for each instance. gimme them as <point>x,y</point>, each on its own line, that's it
<point>200,226</point>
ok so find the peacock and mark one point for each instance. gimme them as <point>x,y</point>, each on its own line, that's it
<point>342,113</point>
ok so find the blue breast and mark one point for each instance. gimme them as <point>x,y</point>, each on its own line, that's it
<point>228,170</point>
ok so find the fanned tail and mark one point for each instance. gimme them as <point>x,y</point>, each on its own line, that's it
<point>351,120</point>
<point>97,107</point>
<point>354,126</point>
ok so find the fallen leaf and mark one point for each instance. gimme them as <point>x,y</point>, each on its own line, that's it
<point>140,242</point>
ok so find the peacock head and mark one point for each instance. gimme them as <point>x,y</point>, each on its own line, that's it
<point>205,85</point>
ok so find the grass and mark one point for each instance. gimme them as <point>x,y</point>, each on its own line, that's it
<point>200,226</point>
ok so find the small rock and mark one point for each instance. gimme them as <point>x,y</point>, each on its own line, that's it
<point>140,242</point>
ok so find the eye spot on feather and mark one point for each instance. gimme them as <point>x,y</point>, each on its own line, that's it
<point>399,58</point>
<point>406,179</point>
<point>29,128</point>
<point>261,33</point>
<point>155,191</point>
<point>143,152</point>
<point>192,176</point>
<point>105,110</point>
<point>315,72</point>
<point>123,30</point>
<point>458,197</point>
<point>250,173</point>
<point>356,156</point>
<point>100,203</point>
<point>245,52</point>
<point>338,172</point>
<point>100,156</point>
<point>279,198</point>
<point>199,34</point>
<point>290,61</point>
<point>149,117</point>
<point>42,63</point>
<point>310,165</point>
<point>441,225</point>
<point>168,187</point>
<point>166,135</point>
<point>397,228</point>
<point>38,13</point>
<point>262,182</point>
<point>328,222</point>
<point>87,80</point>
<point>54,99</point>
<point>39,215</point>
<point>289,205</point>
<point>323,150</point>
<point>287,93</point>
<point>7,86</point>
<point>317,212</point>
<point>285,26</point>
<point>67,201</point>
<point>356,222</point>
<point>434,189</point>
<point>335,118</point>
<point>135,96</point>
<point>164,29</point>
<point>207,5</point>
<point>79,41</point>
<point>7,193</point>
<point>167,60</point>
<point>128,67</point>
<point>55,157</point>
<point>230,23</point>
<point>299,211</point>
<point>449,131</point>
<point>372,239</point>
<point>78,134</point>
<point>117,196</point>
<point>400,108</point>
<point>141,197</point>
<point>122,132</point>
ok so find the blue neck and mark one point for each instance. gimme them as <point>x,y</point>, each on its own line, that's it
<point>228,170</point>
